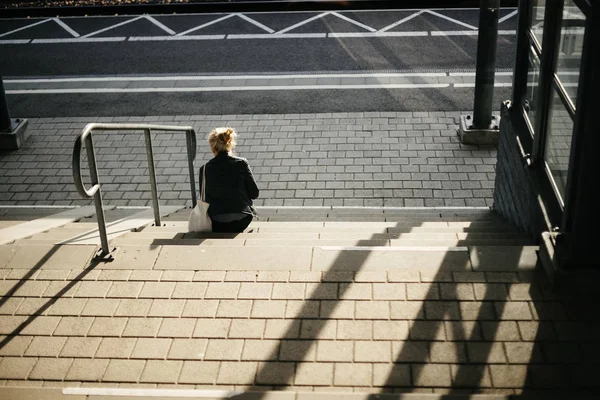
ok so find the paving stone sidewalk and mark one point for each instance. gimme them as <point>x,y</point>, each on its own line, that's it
<point>340,159</point>
<point>369,331</point>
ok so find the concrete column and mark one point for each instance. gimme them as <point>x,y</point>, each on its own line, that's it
<point>5,122</point>
<point>482,127</point>
<point>12,131</point>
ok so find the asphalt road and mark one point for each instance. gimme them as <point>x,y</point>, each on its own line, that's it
<point>282,43</point>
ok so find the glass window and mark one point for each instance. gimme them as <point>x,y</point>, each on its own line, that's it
<point>531,92</point>
<point>572,29</point>
<point>558,143</point>
<point>538,8</point>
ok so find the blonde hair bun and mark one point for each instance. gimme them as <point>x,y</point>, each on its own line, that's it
<point>222,139</point>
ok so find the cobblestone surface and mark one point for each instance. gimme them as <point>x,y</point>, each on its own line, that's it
<point>340,159</point>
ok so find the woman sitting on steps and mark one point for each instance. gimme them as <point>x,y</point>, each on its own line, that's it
<point>230,186</point>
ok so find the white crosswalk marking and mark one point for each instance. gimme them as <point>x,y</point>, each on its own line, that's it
<point>354,22</point>
<point>25,27</point>
<point>270,33</point>
<point>112,27</point>
<point>66,27</point>
<point>395,24</point>
<point>299,24</point>
<point>160,25</point>
<point>512,14</point>
<point>206,24</point>
<point>450,19</point>
<point>261,26</point>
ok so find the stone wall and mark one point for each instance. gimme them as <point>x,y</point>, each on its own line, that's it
<point>515,197</point>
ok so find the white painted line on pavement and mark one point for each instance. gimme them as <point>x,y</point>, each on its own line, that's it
<point>226,89</point>
<point>450,19</point>
<point>299,35</point>
<point>377,34</point>
<point>473,74</point>
<point>205,25</point>
<point>112,27</point>
<point>395,24</point>
<point>160,25</point>
<point>15,41</point>
<point>254,22</point>
<point>467,33</point>
<point>66,27</point>
<point>224,77</point>
<point>289,28</point>
<point>512,14</point>
<point>472,85</point>
<point>277,36</point>
<point>25,27</point>
<point>454,33</point>
<point>80,40</point>
<point>168,38</point>
<point>215,394</point>
<point>389,248</point>
<point>341,16</point>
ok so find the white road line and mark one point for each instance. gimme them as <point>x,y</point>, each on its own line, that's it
<point>472,85</point>
<point>450,19</point>
<point>467,33</point>
<point>254,22</point>
<point>454,33</point>
<point>226,77</point>
<point>395,24</point>
<point>25,27</point>
<point>215,394</point>
<point>289,28</point>
<point>206,24</point>
<point>66,27</point>
<point>353,22</point>
<point>112,27</point>
<point>15,41</point>
<point>376,34</point>
<point>277,36</point>
<point>501,73</point>
<point>82,39</point>
<point>512,14</point>
<point>228,89</point>
<point>167,38</point>
<point>160,25</point>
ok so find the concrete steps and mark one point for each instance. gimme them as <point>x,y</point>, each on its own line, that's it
<point>418,239</point>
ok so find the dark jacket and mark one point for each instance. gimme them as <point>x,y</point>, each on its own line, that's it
<point>230,186</point>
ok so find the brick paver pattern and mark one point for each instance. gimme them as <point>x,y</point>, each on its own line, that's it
<point>481,331</point>
<point>340,159</point>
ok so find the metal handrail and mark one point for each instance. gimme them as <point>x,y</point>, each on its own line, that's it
<point>95,192</point>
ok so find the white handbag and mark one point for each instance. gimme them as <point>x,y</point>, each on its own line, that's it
<point>199,220</point>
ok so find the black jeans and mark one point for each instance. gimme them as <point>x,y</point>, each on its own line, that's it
<point>233,226</point>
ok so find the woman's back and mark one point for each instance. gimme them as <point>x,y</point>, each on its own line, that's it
<point>230,186</point>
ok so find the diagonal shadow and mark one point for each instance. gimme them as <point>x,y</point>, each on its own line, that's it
<point>275,373</point>
<point>92,265</point>
<point>446,317</point>
<point>29,274</point>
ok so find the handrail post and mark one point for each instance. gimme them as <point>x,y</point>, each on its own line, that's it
<point>89,147</point>
<point>190,137</point>
<point>152,174</point>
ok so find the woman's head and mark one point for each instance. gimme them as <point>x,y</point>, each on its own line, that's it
<point>222,139</point>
